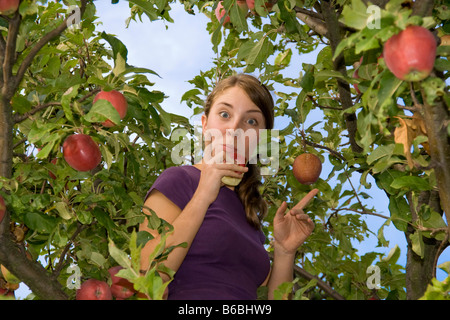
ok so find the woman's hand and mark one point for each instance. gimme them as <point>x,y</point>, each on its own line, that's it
<point>212,172</point>
<point>290,230</point>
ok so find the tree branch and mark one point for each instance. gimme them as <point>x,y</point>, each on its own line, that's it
<point>435,117</point>
<point>334,35</point>
<point>10,55</point>
<point>312,20</point>
<point>21,117</point>
<point>321,284</point>
<point>423,8</point>
<point>40,282</point>
<point>61,262</point>
<point>41,43</point>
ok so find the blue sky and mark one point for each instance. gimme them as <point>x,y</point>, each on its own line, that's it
<point>178,53</point>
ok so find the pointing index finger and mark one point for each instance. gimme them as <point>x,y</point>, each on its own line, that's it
<point>306,199</point>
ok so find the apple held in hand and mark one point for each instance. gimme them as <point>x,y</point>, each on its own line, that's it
<point>117,100</point>
<point>410,55</point>
<point>94,289</point>
<point>307,168</point>
<point>8,7</point>
<point>81,152</point>
<point>120,288</point>
<point>232,181</point>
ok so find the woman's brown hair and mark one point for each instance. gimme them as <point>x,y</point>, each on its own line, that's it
<point>248,189</point>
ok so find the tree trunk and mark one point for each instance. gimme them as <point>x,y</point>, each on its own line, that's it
<point>419,271</point>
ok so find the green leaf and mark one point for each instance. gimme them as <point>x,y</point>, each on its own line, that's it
<point>291,22</point>
<point>67,97</point>
<point>388,87</point>
<point>45,151</point>
<point>151,284</point>
<point>434,221</point>
<point>119,65</point>
<point>380,152</point>
<point>117,46</point>
<point>63,210</point>
<point>38,130</point>
<point>102,110</point>
<point>356,15</point>
<point>445,267</point>
<point>238,18</point>
<point>40,222</point>
<point>104,219</point>
<point>411,183</point>
<point>307,82</point>
<point>400,212</point>
<point>260,52</point>
<point>120,256</point>
<point>418,245</point>
<point>299,293</point>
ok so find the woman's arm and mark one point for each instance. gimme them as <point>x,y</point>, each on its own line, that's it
<point>282,271</point>
<point>185,222</point>
<point>290,230</point>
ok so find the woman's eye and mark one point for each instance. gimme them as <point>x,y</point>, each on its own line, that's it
<point>252,122</point>
<point>224,114</point>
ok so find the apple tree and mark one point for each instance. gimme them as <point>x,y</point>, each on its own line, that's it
<point>371,127</point>
<point>73,205</point>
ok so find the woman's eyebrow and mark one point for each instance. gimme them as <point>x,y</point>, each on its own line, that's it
<point>231,107</point>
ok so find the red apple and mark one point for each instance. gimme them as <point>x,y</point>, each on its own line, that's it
<point>120,288</point>
<point>7,293</point>
<point>118,101</point>
<point>81,152</point>
<point>8,7</point>
<point>251,5</point>
<point>410,54</point>
<point>94,289</point>
<point>2,208</point>
<point>307,168</point>
<point>222,14</point>
<point>51,174</point>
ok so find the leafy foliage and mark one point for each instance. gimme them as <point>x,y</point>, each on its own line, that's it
<point>380,134</point>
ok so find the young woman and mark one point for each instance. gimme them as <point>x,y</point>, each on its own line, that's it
<point>221,224</point>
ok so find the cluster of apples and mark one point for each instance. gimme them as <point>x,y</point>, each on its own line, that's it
<point>80,151</point>
<point>93,289</point>
<point>244,5</point>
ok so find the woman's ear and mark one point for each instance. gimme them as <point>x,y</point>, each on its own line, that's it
<point>204,121</point>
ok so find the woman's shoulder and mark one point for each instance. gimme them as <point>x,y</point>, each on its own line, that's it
<point>176,182</point>
<point>177,172</point>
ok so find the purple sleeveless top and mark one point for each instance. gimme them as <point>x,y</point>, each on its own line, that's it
<point>227,259</point>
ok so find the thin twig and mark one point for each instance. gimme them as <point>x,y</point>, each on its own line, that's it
<point>61,261</point>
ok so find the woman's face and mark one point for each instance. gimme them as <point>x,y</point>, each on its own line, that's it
<point>233,125</point>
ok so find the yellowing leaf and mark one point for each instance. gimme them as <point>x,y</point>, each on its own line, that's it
<point>409,129</point>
